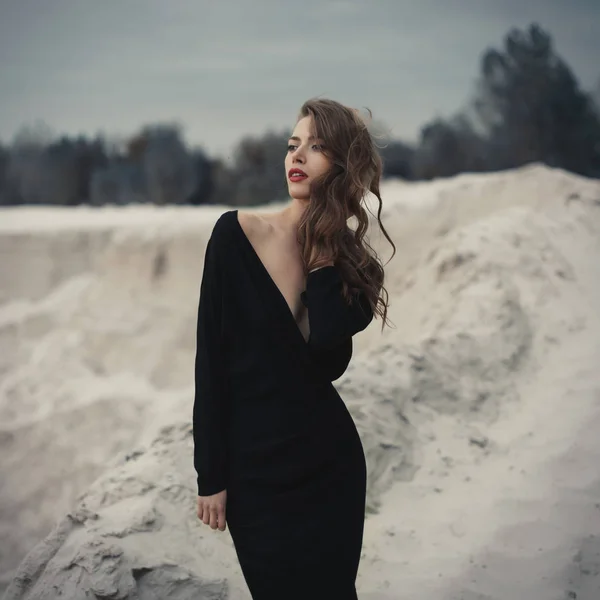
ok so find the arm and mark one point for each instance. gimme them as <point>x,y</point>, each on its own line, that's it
<point>333,362</point>
<point>331,320</point>
<point>209,417</point>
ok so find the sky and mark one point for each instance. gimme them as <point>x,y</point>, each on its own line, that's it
<point>229,68</point>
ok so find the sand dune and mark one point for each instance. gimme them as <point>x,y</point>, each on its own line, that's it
<point>479,412</point>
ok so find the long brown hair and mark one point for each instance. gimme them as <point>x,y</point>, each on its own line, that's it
<point>339,195</point>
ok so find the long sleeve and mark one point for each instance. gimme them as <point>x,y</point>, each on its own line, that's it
<point>333,362</point>
<point>210,399</point>
<point>331,319</point>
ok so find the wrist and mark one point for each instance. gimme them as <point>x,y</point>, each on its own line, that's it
<point>329,264</point>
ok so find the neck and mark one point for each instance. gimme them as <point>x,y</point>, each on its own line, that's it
<point>290,216</point>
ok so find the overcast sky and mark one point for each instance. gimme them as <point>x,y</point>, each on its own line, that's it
<point>225,68</point>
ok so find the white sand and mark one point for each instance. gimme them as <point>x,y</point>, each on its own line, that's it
<point>479,412</point>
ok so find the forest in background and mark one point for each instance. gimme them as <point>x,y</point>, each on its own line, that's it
<point>527,106</point>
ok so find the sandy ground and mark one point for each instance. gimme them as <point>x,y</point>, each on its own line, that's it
<point>479,411</point>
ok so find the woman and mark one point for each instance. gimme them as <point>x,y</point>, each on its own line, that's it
<point>277,453</point>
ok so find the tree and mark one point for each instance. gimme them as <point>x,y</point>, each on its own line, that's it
<point>205,169</point>
<point>169,169</point>
<point>258,173</point>
<point>397,158</point>
<point>532,108</point>
<point>596,98</point>
<point>119,182</point>
<point>5,196</point>
<point>449,147</point>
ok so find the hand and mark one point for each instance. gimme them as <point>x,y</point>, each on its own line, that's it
<point>318,261</point>
<point>329,264</point>
<point>211,510</point>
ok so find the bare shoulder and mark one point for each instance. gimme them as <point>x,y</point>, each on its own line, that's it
<point>255,226</point>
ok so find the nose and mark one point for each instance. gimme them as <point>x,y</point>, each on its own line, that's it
<point>298,155</point>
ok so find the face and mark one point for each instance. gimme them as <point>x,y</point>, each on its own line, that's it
<point>306,154</point>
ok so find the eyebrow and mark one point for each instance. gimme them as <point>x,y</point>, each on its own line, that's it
<point>297,139</point>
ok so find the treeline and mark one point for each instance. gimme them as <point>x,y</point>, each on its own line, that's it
<point>527,106</point>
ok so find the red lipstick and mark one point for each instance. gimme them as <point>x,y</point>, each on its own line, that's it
<point>296,174</point>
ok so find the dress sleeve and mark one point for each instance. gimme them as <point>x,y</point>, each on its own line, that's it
<point>331,319</point>
<point>333,362</point>
<point>210,398</point>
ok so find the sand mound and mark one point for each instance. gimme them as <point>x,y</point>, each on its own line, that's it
<point>479,412</point>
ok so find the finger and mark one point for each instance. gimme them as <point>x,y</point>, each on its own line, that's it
<point>199,509</point>
<point>213,518</point>
<point>205,515</point>
<point>222,520</point>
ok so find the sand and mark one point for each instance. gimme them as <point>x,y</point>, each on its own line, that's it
<point>479,411</point>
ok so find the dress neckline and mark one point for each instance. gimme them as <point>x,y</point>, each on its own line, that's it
<point>270,278</point>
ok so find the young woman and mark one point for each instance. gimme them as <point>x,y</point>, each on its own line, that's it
<point>276,451</point>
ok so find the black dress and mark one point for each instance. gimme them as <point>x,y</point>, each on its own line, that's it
<point>270,427</point>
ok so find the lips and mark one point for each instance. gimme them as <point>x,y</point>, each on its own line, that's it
<point>296,174</point>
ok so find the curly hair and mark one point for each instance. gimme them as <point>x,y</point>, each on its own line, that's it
<point>337,196</point>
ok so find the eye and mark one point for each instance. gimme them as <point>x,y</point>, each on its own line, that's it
<point>318,146</point>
